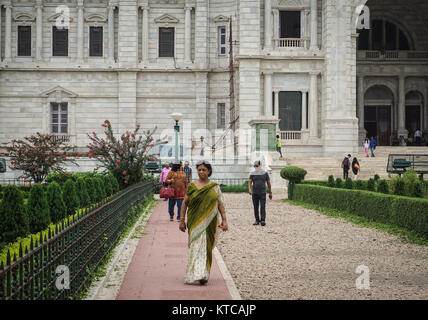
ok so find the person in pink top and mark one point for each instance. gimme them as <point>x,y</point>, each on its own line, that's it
<point>164,174</point>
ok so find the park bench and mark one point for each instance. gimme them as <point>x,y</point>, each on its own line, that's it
<point>400,163</point>
<point>153,167</point>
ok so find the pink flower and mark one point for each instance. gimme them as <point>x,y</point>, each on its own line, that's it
<point>125,182</point>
<point>117,167</point>
<point>124,173</point>
<point>90,156</point>
<point>121,153</point>
<point>117,161</point>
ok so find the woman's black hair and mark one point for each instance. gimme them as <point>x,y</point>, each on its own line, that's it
<point>175,167</point>
<point>208,166</point>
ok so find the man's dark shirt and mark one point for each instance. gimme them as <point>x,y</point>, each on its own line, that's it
<point>259,178</point>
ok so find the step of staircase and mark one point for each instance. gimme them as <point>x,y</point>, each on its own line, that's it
<point>320,168</point>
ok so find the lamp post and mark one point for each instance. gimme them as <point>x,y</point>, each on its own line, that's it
<point>177,117</point>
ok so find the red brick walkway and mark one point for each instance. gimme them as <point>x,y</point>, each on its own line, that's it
<point>157,269</point>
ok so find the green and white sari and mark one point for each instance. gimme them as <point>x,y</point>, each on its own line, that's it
<point>202,221</point>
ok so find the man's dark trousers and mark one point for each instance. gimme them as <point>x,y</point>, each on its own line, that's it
<point>259,198</point>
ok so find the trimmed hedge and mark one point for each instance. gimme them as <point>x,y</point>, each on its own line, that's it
<point>410,213</point>
<point>293,174</point>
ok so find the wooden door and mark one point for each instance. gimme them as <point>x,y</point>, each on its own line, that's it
<point>384,125</point>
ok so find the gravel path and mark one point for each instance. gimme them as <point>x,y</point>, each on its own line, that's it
<point>302,254</point>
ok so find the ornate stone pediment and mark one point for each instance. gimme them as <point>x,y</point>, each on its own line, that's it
<point>24,17</point>
<point>58,93</point>
<point>95,17</point>
<point>166,18</point>
<point>221,18</point>
<point>55,17</point>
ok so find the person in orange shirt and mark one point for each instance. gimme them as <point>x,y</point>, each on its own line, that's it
<point>176,179</point>
<point>355,167</point>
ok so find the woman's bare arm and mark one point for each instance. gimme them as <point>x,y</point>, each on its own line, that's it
<point>184,205</point>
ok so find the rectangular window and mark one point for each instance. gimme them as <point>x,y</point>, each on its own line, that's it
<point>221,115</point>
<point>59,42</point>
<point>24,41</point>
<point>166,42</point>
<point>290,111</point>
<point>290,23</point>
<point>59,119</point>
<point>96,41</point>
<point>222,41</point>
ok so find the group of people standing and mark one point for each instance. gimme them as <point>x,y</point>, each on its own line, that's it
<point>202,201</point>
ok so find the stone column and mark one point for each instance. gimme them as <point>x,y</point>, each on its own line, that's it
<point>0,32</point>
<point>80,23</point>
<point>277,106</point>
<point>361,102</point>
<point>268,25</point>
<point>8,33</point>
<point>145,38</point>
<point>314,25</point>
<point>276,23</point>
<point>187,34</point>
<point>304,103</point>
<point>111,32</point>
<point>313,105</point>
<point>268,95</point>
<point>402,107</point>
<point>39,30</point>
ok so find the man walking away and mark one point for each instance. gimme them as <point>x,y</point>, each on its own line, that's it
<point>188,171</point>
<point>372,145</point>
<point>418,136</point>
<point>346,164</point>
<point>259,178</point>
<point>278,145</point>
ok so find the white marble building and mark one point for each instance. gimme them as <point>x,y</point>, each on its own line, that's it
<point>301,62</point>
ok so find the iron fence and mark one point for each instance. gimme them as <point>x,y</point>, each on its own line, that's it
<point>77,246</point>
<point>231,181</point>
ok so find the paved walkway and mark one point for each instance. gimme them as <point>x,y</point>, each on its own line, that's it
<point>157,269</point>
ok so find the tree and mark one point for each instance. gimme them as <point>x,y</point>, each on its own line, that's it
<point>100,188</point>
<point>126,157</point>
<point>71,199</point>
<point>82,191</point>
<point>107,185</point>
<point>13,215</point>
<point>38,209</point>
<point>58,210</point>
<point>38,155</point>
<point>92,191</point>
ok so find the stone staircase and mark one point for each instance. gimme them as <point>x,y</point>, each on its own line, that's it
<point>321,168</point>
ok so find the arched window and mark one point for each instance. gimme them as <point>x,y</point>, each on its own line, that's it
<point>383,35</point>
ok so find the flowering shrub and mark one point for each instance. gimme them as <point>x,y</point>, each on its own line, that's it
<point>124,157</point>
<point>38,155</point>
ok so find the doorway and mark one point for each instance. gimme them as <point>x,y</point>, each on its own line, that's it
<point>377,122</point>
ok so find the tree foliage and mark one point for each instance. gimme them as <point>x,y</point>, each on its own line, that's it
<point>13,215</point>
<point>38,209</point>
<point>125,157</point>
<point>58,210</point>
<point>38,155</point>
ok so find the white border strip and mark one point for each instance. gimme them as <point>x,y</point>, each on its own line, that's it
<point>226,275</point>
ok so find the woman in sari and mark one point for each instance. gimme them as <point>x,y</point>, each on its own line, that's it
<point>202,203</point>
